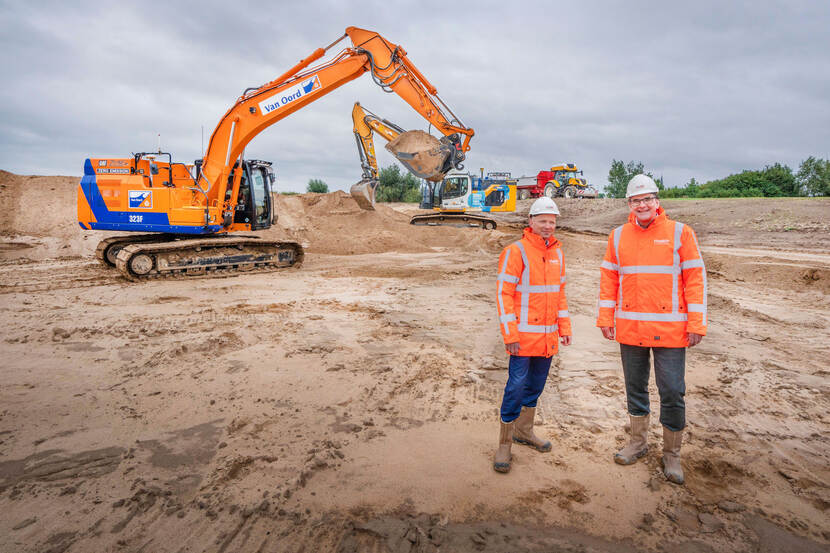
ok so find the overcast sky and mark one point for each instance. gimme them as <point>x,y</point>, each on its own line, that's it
<point>702,89</point>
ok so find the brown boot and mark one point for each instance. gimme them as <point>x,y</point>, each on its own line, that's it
<point>671,456</point>
<point>523,433</point>
<point>637,445</point>
<point>501,462</point>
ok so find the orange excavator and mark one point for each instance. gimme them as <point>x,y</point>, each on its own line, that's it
<point>180,215</point>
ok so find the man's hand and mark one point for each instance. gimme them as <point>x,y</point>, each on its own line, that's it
<point>566,340</point>
<point>512,349</point>
<point>694,339</point>
<point>608,332</point>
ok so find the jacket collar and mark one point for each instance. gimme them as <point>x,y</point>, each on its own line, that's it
<point>539,242</point>
<point>658,220</point>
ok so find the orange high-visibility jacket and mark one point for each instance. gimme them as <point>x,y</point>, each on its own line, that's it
<point>653,283</point>
<point>533,310</point>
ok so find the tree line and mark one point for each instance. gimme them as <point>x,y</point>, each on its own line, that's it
<point>811,179</point>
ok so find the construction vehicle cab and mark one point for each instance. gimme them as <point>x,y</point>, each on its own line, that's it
<point>254,206</point>
<point>461,199</point>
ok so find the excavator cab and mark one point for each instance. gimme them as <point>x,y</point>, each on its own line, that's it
<point>253,204</point>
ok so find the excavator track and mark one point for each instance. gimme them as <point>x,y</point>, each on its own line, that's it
<point>108,248</point>
<point>461,220</point>
<point>206,257</point>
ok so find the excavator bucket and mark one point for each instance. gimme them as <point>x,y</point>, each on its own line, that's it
<point>363,193</point>
<point>422,154</point>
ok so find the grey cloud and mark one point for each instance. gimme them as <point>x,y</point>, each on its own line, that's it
<point>699,90</point>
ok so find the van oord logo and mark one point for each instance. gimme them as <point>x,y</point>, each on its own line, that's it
<point>293,94</point>
<point>141,199</point>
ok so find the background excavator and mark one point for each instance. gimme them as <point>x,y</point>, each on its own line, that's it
<point>187,211</point>
<point>464,200</point>
<point>423,155</point>
<point>459,199</point>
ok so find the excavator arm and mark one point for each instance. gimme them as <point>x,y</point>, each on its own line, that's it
<point>260,107</point>
<point>365,124</point>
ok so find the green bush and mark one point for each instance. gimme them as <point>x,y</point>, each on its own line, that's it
<point>318,186</point>
<point>813,177</point>
<point>397,186</point>
<point>777,180</point>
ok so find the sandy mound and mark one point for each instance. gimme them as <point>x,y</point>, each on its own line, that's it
<point>39,220</point>
<point>333,223</point>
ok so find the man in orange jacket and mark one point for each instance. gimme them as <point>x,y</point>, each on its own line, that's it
<point>533,315</point>
<point>653,289</point>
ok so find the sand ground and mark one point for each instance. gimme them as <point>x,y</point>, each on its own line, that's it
<point>351,404</point>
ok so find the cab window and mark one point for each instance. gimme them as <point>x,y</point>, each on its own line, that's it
<point>260,197</point>
<point>454,187</point>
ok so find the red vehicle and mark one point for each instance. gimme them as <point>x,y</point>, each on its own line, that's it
<point>560,182</point>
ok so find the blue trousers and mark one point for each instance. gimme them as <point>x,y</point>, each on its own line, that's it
<point>670,374</point>
<point>526,377</point>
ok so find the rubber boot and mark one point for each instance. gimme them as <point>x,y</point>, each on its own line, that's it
<point>523,433</point>
<point>671,456</point>
<point>501,462</point>
<point>637,445</point>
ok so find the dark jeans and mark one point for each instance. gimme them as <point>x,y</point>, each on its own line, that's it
<point>669,371</point>
<point>526,377</point>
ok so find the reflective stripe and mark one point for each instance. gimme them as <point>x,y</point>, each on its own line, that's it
<point>691,264</point>
<point>507,318</point>
<point>675,282</point>
<point>610,266</point>
<point>654,317</point>
<point>617,234</point>
<point>619,290</point>
<point>538,288</point>
<point>539,329</point>
<point>696,308</point>
<point>501,285</point>
<point>508,278</point>
<point>647,269</point>
<point>524,288</point>
<point>525,303</point>
<point>705,283</point>
<point>563,314</point>
<point>607,303</point>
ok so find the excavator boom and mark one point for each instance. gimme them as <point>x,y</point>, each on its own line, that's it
<point>386,63</point>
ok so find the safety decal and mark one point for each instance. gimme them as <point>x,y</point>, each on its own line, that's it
<point>141,199</point>
<point>293,94</point>
<point>112,171</point>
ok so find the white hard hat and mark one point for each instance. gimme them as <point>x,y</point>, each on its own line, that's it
<point>640,184</point>
<point>544,205</point>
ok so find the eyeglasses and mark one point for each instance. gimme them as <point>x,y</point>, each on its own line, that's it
<point>642,201</point>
